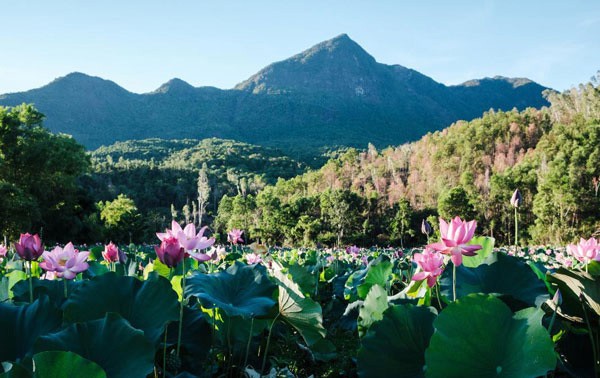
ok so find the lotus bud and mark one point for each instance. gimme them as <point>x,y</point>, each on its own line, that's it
<point>426,227</point>
<point>516,200</point>
<point>557,299</point>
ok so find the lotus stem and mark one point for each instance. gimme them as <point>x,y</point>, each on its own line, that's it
<point>65,288</point>
<point>249,339</point>
<point>453,282</point>
<point>437,293</point>
<point>552,320</point>
<point>181,307</point>
<point>164,365</point>
<point>590,332</point>
<point>30,283</point>
<point>264,362</point>
<point>516,231</point>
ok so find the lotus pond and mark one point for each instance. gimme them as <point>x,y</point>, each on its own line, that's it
<point>252,311</point>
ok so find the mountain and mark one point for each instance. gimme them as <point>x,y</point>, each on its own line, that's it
<point>333,94</point>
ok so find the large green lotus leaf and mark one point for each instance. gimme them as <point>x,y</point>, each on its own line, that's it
<point>573,285</point>
<point>53,289</point>
<point>241,290</point>
<point>506,276</point>
<point>378,274</point>
<point>372,309</point>
<point>478,335</point>
<point>147,305</point>
<point>14,278</point>
<point>15,370</point>
<point>484,255</point>
<point>303,278</point>
<point>96,269</point>
<point>56,364</point>
<point>111,342</point>
<point>21,325</point>
<point>395,346</point>
<point>300,312</point>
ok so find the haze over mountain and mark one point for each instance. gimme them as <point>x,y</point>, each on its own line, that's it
<point>332,94</point>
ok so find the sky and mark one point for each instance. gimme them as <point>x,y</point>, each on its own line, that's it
<point>142,44</point>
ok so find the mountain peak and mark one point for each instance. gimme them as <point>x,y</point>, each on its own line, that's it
<point>80,82</point>
<point>515,82</point>
<point>174,85</point>
<point>338,64</point>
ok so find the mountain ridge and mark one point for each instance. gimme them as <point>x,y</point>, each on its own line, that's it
<point>333,93</point>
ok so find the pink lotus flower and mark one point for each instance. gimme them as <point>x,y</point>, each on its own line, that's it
<point>235,236</point>
<point>170,252</point>
<point>111,253</point>
<point>431,263</point>
<point>253,258</point>
<point>66,262</point>
<point>455,237</point>
<point>187,237</point>
<point>3,251</point>
<point>29,247</point>
<point>585,251</point>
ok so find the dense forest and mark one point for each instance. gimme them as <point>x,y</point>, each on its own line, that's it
<point>470,169</point>
<point>127,191</point>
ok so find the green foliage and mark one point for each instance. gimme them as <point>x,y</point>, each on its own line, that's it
<point>105,341</point>
<point>241,290</point>
<point>121,218</point>
<point>503,275</point>
<point>39,174</point>
<point>56,363</point>
<point>299,311</point>
<point>455,202</point>
<point>371,311</point>
<point>146,305</point>
<point>24,324</point>
<point>395,346</point>
<point>478,335</point>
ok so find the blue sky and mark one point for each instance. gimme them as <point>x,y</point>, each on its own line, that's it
<point>142,44</point>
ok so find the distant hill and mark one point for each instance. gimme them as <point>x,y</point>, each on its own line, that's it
<point>156,173</point>
<point>333,94</point>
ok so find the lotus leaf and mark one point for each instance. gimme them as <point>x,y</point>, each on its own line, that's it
<point>395,346</point>
<point>241,290</point>
<point>111,342</point>
<point>147,305</point>
<point>478,335</point>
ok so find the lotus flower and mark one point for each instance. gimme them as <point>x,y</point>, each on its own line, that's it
<point>253,258</point>
<point>431,263</point>
<point>353,251</point>
<point>516,200</point>
<point>585,251</point>
<point>235,236</point>
<point>29,247</point>
<point>455,236</point>
<point>219,251</point>
<point>111,253</point>
<point>3,251</point>
<point>66,262</point>
<point>170,252</point>
<point>187,237</point>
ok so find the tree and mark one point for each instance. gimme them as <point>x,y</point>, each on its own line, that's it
<point>121,218</point>
<point>400,225</point>
<point>41,171</point>
<point>203,191</point>
<point>456,202</point>
<point>341,209</point>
